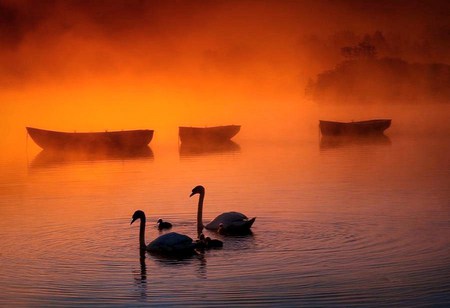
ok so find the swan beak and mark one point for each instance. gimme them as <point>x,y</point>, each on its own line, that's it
<point>191,194</point>
<point>133,220</point>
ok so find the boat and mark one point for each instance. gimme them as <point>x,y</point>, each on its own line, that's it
<point>114,140</point>
<point>369,127</point>
<point>208,134</point>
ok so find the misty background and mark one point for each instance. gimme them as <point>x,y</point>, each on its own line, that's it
<point>275,67</point>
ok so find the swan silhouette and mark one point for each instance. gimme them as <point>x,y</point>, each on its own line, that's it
<point>208,243</point>
<point>163,224</point>
<point>225,223</point>
<point>213,243</point>
<point>169,243</point>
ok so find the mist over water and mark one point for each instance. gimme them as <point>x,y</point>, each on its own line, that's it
<point>79,66</point>
<point>341,222</point>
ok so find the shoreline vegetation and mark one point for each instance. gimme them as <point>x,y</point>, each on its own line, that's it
<point>363,77</point>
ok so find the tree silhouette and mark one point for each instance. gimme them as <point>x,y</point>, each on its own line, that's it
<point>362,50</point>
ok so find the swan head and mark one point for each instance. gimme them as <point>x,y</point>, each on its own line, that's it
<point>221,229</point>
<point>198,190</point>
<point>159,221</point>
<point>137,215</point>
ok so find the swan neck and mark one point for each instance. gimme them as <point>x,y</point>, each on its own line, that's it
<point>200,214</point>
<point>142,233</point>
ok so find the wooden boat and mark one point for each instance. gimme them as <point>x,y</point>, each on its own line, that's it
<point>370,127</point>
<point>115,140</point>
<point>208,134</point>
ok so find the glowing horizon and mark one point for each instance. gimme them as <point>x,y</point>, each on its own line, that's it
<point>75,66</point>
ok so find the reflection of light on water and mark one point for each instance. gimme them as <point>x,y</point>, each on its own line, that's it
<point>327,142</point>
<point>140,277</point>
<point>198,261</point>
<point>359,224</point>
<point>187,150</point>
<point>51,158</point>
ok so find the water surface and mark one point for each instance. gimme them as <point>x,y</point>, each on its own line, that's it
<point>338,224</point>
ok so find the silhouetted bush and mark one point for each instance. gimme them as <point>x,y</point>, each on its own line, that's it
<point>369,80</point>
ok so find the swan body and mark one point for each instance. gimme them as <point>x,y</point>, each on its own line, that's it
<point>163,224</point>
<point>230,220</point>
<point>169,243</point>
<point>225,223</point>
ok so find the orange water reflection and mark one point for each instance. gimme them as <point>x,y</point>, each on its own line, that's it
<point>200,149</point>
<point>327,142</point>
<point>47,158</point>
<point>360,205</point>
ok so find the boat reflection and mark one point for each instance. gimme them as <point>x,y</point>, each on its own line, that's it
<point>332,142</point>
<point>189,149</point>
<point>48,158</point>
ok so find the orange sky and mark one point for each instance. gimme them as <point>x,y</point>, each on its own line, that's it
<point>95,65</point>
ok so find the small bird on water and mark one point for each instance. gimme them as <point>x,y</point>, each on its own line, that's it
<point>163,224</point>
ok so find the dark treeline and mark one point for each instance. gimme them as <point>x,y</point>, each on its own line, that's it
<point>373,72</point>
<point>382,80</point>
<point>431,45</point>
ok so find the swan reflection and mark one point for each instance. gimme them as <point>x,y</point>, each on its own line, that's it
<point>140,277</point>
<point>196,261</point>
<point>49,158</point>
<point>189,149</point>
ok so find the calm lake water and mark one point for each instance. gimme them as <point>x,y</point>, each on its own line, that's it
<point>338,224</point>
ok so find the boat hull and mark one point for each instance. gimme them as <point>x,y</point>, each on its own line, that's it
<point>370,127</point>
<point>115,140</point>
<point>208,134</point>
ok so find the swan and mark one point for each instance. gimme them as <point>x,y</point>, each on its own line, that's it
<point>213,243</point>
<point>208,243</point>
<point>163,224</point>
<point>169,243</point>
<point>225,223</point>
